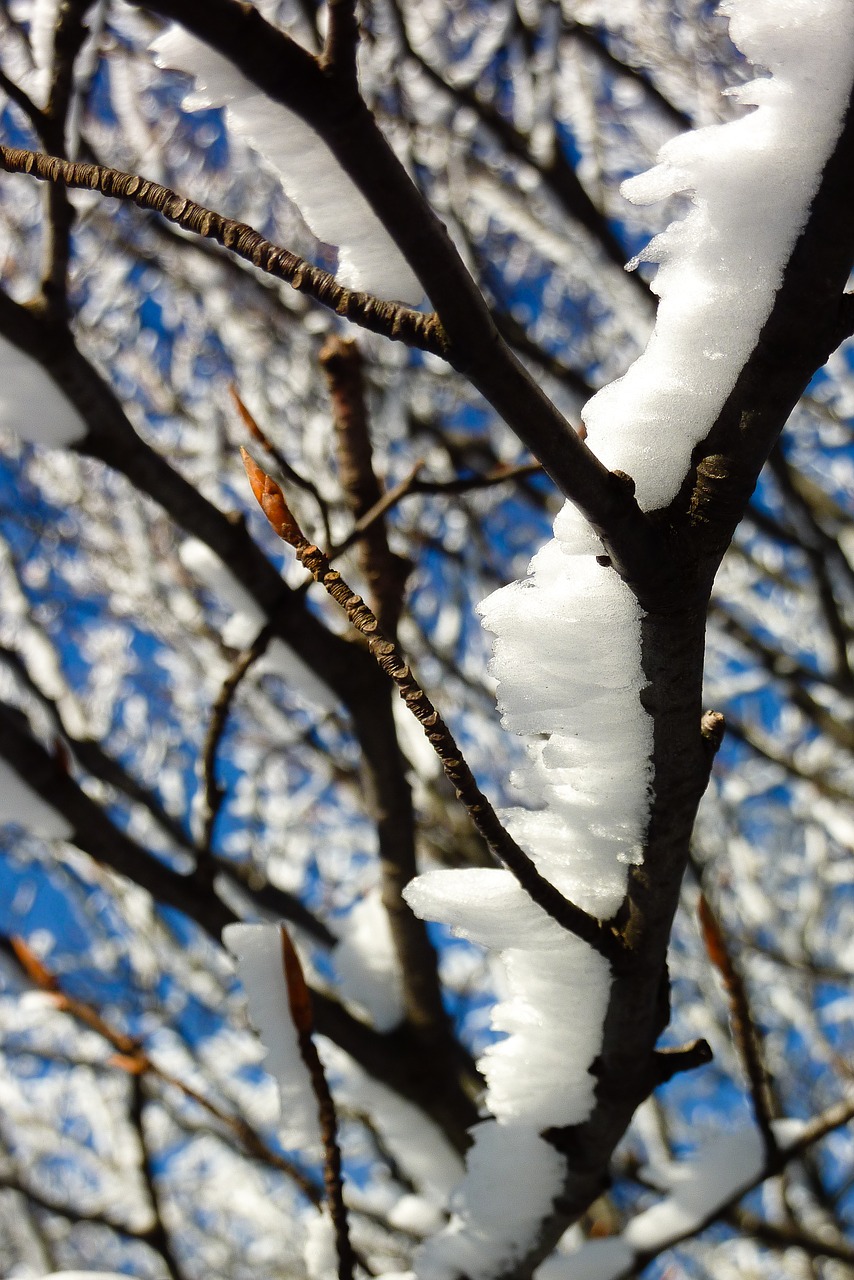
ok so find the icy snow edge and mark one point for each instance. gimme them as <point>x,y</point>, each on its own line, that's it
<point>333,207</point>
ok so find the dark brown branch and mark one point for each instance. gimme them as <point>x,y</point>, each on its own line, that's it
<point>819,548</point>
<point>68,37</point>
<point>767,751</point>
<point>288,74</point>
<point>299,1001</point>
<point>590,39</point>
<point>387,318</point>
<point>214,794</point>
<point>745,1033</point>
<point>558,175</point>
<point>788,1235</point>
<point>49,1204</point>
<point>385,571</point>
<point>598,934</point>
<point>34,114</point>
<point>159,1235</point>
<point>338,58</point>
<point>96,762</point>
<point>792,674</point>
<point>96,834</point>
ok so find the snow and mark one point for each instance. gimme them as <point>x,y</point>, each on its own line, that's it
<point>595,1260</point>
<point>31,403</point>
<point>19,803</point>
<point>751,182</point>
<point>366,963</point>
<point>557,995</point>
<point>333,207</point>
<point>417,1144</point>
<point>258,951</point>
<point>321,1259</point>
<point>719,1171</point>
<point>567,656</point>
<point>724,1166</point>
<point>508,1168</point>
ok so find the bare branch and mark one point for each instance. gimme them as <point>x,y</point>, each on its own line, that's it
<point>299,1000</point>
<point>744,1030</point>
<point>386,572</point>
<point>387,318</point>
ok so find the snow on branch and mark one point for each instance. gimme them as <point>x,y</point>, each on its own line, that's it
<point>20,804</point>
<point>393,321</point>
<point>31,403</point>
<point>334,208</point>
<point>257,949</point>
<point>751,182</point>
<point>568,651</point>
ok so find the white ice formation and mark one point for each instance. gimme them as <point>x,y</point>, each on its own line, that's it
<point>258,951</point>
<point>567,653</point>
<point>31,403</point>
<point>20,804</point>
<point>719,1171</point>
<point>332,206</point>
<point>366,963</point>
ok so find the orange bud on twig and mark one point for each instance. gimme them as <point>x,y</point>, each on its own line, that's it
<point>271,500</point>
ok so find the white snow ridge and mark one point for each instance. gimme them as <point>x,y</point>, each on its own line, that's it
<point>567,651</point>
<point>334,208</point>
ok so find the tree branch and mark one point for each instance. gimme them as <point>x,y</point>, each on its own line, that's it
<point>601,936</point>
<point>387,318</point>
<point>288,74</point>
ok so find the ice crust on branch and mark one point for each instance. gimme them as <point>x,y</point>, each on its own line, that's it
<point>20,804</point>
<point>32,405</point>
<point>751,182</point>
<point>257,949</point>
<point>567,651</point>
<point>718,1171</point>
<point>366,963</point>
<point>332,206</point>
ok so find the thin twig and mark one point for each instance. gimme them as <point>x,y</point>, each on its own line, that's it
<point>791,1236</point>
<point>598,934</point>
<point>387,318</point>
<point>159,1235</point>
<point>299,1001</point>
<point>385,571</point>
<point>131,1057</point>
<point>412,484</point>
<point>744,1030</point>
<point>214,794</point>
